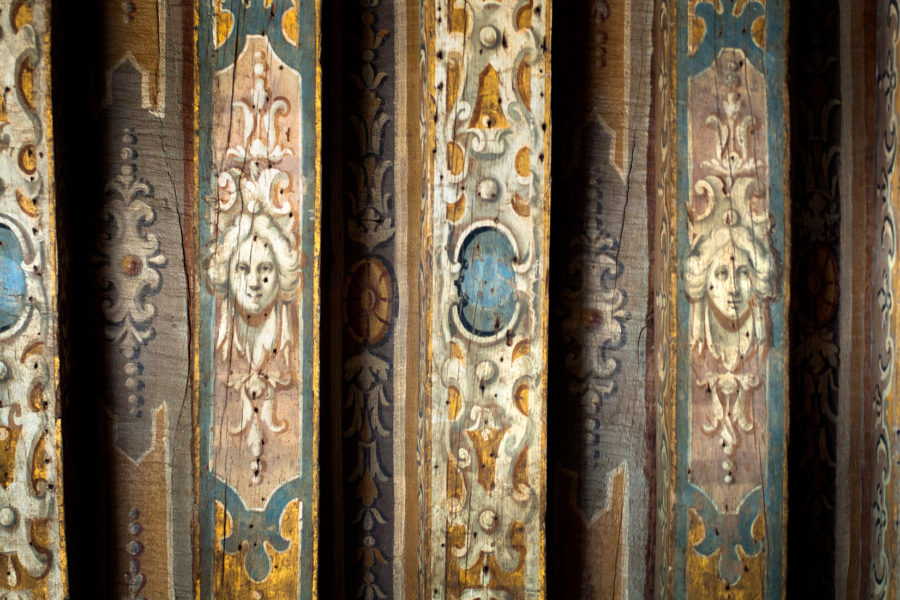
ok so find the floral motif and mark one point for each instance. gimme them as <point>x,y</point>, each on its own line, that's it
<point>130,268</point>
<point>729,270</point>
<point>254,266</point>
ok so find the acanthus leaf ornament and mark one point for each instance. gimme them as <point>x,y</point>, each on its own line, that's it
<point>254,266</point>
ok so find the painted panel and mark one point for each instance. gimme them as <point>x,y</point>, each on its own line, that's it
<point>485,237</point>
<point>143,295</point>
<point>32,552</point>
<point>257,348</point>
<point>883,418</point>
<point>727,216</point>
<point>598,520</point>
<point>372,286</point>
<point>817,300</point>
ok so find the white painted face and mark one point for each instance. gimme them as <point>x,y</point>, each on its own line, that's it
<point>730,285</point>
<point>254,276</point>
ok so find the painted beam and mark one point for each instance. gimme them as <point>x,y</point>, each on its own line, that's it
<point>882,414</point>
<point>257,332</point>
<point>32,548</point>
<point>721,276</point>
<point>599,517</point>
<point>373,217</point>
<point>482,438</point>
<point>147,122</point>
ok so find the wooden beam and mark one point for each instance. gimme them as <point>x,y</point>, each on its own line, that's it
<point>373,217</point>
<point>482,436</point>
<point>145,127</point>
<point>882,414</point>
<point>599,517</point>
<point>257,329</point>
<point>721,288</point>
<point>32,548</point>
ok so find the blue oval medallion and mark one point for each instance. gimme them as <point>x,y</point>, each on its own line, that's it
<point>486,282</point>
<point>12,279</point>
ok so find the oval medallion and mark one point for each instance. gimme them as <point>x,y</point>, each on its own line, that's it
<point>12,279</point>
<point>486,282</point>
<point>369,300</point>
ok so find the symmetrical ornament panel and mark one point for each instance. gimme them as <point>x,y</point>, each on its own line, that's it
<point>31,542</point>
<point>371,313</point>
<point>486,225</point>
<point>258,342</point>
<point>144,137</point>
<point>599,519</point>
<point>724,211</point>
<point>883,418</point>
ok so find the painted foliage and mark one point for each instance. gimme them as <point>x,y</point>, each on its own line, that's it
<point>258,243</point>
<point>727,422</point>
<point>599,520</point>
<point>32,554</point>
<point>482,432</point>
<point>883,418</point>
<point>372,288</point>
<point>140,263</point>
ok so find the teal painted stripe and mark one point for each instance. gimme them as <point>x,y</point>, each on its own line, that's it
<point>726,31</point>
<point>256,20</point>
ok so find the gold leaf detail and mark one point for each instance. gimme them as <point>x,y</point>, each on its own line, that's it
<point>520,205</point>
<point>520,471</point>
<point>523,82</point>
<point>34,349</point>
<point>26,84</point>
<point>487,445</point>
<point>456,210</point>
<point>488,112</point>
<point>9,437</point>
<point>523,348</point>
<point>35,397</point>
<point>290,25</point>
<point>758,31</point>
<point>455,486</point>
<point>39,466</point>
<point>523,162</point>
<point>454,402</point>
<point>453,81</point>
<point>523,17</point>
<point>224,22</point>
<point>457,17</point>
<point>28,159</point>
<point>522,397</point>
<point>22,15</point>
<point>455,158</point>
<point>28,205</point>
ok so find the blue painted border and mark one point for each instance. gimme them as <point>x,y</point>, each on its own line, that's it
<point>256,20</point>
<point>726,31</point>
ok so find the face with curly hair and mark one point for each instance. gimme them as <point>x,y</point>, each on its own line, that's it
<point>254,278</point>
<point>729,281</point>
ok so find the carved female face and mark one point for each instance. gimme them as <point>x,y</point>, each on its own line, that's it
<point>730,286</point>
<point>254,276</point>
